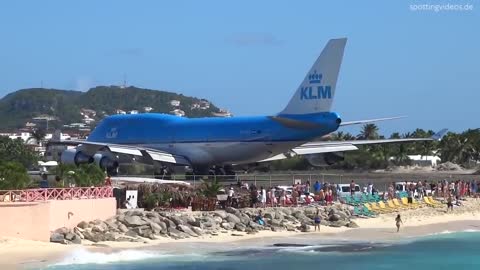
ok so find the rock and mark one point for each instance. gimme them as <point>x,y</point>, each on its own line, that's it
<point>286,211</point>
<point>62,230</point>
<point>352,224</point>
<point>217,219</point>
<point>207,222</point>
<point>278,228</point>
<point>240,227</point>
<point>131,233</point>
<point>255,225</point>
<point>186,230</point>
<point>232,210</point>
<point>156,229</point>
<point>226,226</point>
<point>176,234</point>
<point>339,223</point>
<point>125,239</point>
<point>306,228</point>
<point>169,223</point>
<point>133,220</point>
<point>57,238</point>
<point>136,212</point>
<point>100,228</point>
<point>236,234</point>
<point>94,237</point>
<point>220,214</point>
<point>290,227</point>
<point>232,218</point>
<point>244,219</point>
<point>334,217</point>
<point>70,236</point>
<point>342,215</point>
<point>163,226</point>
<point>122,228</point>
<point>269,215</point>
<point>76,240</point>
<point>197,230</point>
<point>79,232</point>
<point>120,218</point>
<point>177,220</point>
<point>276,223</point>
<point>83,225</point>
<point>196,223</point>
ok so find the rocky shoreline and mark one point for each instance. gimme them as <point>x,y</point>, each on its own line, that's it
<point>139,225</point>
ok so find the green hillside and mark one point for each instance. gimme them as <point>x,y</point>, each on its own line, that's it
<point>21,106</point>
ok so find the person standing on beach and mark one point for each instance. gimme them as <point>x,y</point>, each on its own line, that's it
<point>398,220</point>
<point>449,203</point>
<point>317,220</point>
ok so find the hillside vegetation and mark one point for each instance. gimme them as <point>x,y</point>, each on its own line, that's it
<point>21,106</point>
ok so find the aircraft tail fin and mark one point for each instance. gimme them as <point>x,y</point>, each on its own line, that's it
<point>316,92</point>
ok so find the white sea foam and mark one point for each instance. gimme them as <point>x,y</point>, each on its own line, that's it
<point>83,256</point>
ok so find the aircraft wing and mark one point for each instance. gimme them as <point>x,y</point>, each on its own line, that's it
<point>342,146</point>
<point>154,154</point>
<point>359,122</point>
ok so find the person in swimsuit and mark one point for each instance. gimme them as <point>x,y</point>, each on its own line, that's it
<point>317,220</point>
<point>398,220</point>
<point>449,203</point>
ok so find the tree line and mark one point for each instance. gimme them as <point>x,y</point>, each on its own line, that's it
<point>460,148</point>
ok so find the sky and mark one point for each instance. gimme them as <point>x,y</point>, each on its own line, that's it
<point>250,56</point>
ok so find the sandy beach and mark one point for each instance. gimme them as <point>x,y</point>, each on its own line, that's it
<point>22,254</point>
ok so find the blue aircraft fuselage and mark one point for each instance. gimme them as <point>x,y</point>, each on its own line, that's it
<point>214,140</point>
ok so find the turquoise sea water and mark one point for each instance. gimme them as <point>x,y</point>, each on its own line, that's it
<point>444,251</point>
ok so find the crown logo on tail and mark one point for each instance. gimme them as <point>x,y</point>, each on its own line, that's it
<point>315,77</point>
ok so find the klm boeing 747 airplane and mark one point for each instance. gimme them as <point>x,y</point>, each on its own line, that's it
<point>206,143</point>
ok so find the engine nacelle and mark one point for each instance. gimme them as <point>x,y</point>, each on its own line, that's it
<point>74,157</point>
<point>106,161</point>
<point>325,159</point>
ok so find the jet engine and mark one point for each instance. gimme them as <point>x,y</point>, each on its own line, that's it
<point>106,161</point>
<point>75,157</point>
<point>325,159</point>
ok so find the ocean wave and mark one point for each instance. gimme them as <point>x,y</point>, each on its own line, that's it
<point>83,256</point>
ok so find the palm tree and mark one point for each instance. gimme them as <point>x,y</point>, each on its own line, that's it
<point>38,135</point>
<point>369,132</point>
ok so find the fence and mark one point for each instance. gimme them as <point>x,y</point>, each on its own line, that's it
<point>45,194</point>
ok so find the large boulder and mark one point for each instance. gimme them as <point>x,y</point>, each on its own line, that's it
<point>240,227</point>
<point>232,210</point>
<point>334,217</point>
<point>269,215</point>
<point>218,219</point>
<point>57,238</point>
<point>220,214</point>
<point>156,229</point>
<point>100,228</point>
<point>197,231</point>
<point>226,226</point>
<point>306,228</point>
<point>82,225</point>
<point>177,220</point>
<point>339,223</point>
<point>278,228</point>
<point>133,220</point>
<point>231,218</point>
<point>187,230</point>
<point>176,234</point>
<point>352,224</point>
<point>196,223</point>
<point>122,228</point>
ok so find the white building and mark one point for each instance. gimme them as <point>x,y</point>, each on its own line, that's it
<point>175,103</point>
<point>118,111</point>
<point>133,112</point>
<point>178,112</point>
<point>147,109</point>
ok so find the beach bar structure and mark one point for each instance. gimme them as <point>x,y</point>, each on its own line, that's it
<point>32,214</point>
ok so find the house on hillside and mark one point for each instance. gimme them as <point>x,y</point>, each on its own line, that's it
<point>175,103</point>
<point>178,112</point>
